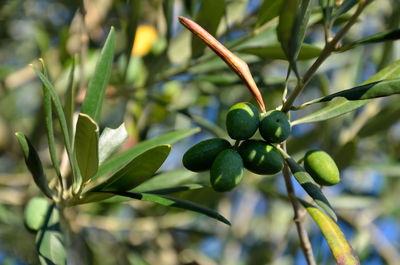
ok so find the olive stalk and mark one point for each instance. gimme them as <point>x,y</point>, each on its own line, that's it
<point>328,49</point>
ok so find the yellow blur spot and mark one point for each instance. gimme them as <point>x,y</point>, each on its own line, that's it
<point>145,37</point>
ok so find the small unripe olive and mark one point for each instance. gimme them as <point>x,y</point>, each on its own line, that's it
<point>201,156</point>
<point>321,167</point>
<point>275,126</point>
<point>242,121</point>
<point>260,157</point>
<point>226,171</point>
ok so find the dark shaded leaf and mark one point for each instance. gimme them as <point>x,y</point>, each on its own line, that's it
<point>389,35</point>
<point>377,89</point>
<point>310,186</point>
<point>274,51</point>
<point>69,102</point>
<point>341,106</point>
<point>32,161</point>
<point>340,248</point>
<point>268,10</point>
<point>93,101</point>
<point>344,7</point>
<point>86,146</point>
<point>50,241</point>
<point>209,17</point>
<point>175,202</point>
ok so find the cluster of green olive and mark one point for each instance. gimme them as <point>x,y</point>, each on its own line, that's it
<point>226,162</point>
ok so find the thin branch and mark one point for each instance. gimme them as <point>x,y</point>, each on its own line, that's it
<point>329,48</point>
<point>299,214</point>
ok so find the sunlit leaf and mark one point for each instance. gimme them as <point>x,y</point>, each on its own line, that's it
<point>119,160</point>
<point>48,117</point>
<point>340,248</point>
<point>86,146</point>
<point>166,180</point>
<point>110,140</point>
<point>34,164</point>
<point>93,101</point>
<point>136,171</point>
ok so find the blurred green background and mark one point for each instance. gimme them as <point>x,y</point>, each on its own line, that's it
<point>163,79</point>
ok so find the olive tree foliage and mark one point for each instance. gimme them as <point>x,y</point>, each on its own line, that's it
<point>288,110</point>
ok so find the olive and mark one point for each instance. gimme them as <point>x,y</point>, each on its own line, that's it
<point>260,157</point>
<point>275,126</point>
<point>321,167</point>
<point>226,171</point>
<point>35,213</point>
<point>201,156</point>
<point>242,121</point>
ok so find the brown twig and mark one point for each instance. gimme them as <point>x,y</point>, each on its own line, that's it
<point>238,65</point>
<point>298,218</point>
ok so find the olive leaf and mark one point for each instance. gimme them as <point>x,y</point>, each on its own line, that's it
<point>389,35</point>
<point>340,105</point>
<point>340,248</point>
<point>93,101</point>
<point>34,164</point>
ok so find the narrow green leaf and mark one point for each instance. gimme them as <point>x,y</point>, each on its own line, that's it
<point>274,51</point>
<point>93,101</point>
<point>268,10</point>
<point>377,89</point>
<point>293,20</point>
<point>48,113</point>
<point>119,160</point>
<point>136,171</point>
<point>166,180</point>
<point>327,9</point>
<point>340,248</point>
<point>310,186</point>
<point>389,35</point>
<point>50,240</point>
<point>209,17</point>
<point>175,202</point>
<point>32,161</point>
<point>299,30</point>
<point>176,189</point>
<point>344,7</point>
<point>63,123</point>
<point>287,19</point>
<point>341,106</point>
<point>110,140</point>
<point>86,146</point>
<point>69,102</point>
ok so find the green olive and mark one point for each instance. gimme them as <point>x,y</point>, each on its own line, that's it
<point>275,126</point>
<point>321,167</point>
<point>201,156</point>
<point>242,121</point>
<point>260,157</point>
<point>226,171</point>
<point>35,213</point>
